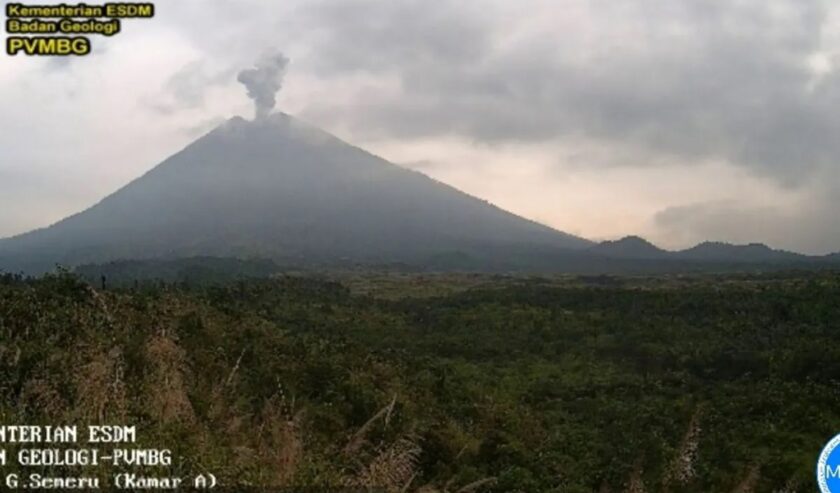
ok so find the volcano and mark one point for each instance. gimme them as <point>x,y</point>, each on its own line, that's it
<point>279,188</point>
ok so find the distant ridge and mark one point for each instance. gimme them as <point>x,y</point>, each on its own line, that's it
<point>753,252</point>
<point>635,247</point>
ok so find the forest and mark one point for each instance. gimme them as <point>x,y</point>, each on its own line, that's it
<point>384,381</point>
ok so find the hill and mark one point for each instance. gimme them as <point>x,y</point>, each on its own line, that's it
<point>632,247</point>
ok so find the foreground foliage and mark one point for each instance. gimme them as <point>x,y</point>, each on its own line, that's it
<point>483,384</point>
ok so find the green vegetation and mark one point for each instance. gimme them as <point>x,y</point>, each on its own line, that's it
<point>443,383</point>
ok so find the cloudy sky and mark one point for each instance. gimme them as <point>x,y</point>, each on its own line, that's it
<point>676,120</point>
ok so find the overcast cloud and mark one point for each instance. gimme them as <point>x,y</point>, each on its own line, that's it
<point>679,121</point>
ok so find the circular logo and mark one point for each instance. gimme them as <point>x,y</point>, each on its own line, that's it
<point>828,467</point>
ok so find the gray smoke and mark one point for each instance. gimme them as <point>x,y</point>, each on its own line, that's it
<point>264,80</point>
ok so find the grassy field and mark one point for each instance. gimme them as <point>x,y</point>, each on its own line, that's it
<point>443,382</point>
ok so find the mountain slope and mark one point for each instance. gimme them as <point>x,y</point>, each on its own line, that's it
<point>278,188</point>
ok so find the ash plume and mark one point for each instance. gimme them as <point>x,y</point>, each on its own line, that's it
<point>264,80</point>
